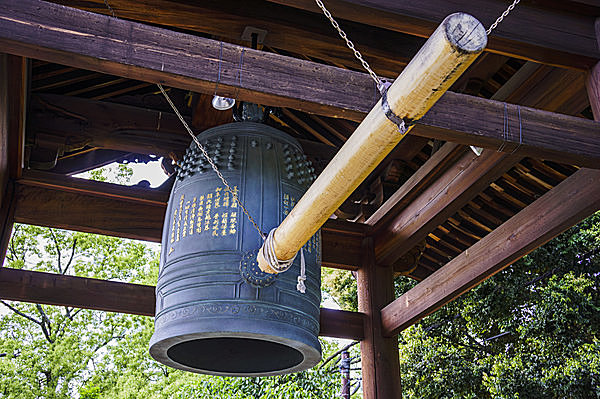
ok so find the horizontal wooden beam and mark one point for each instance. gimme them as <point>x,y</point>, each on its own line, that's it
<point>132,212</point>
<point>514,129</point>
<point>112,296</point>
<point>80,39</point>
<point>458,185</point>
<point>286,28</point>
<point>568,203</point>
<point>553,37</point>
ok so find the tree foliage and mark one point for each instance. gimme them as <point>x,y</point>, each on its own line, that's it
<point>531,331</point>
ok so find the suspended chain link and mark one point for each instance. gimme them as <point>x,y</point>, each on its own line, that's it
<point>349,43</point>
<point>110,8</point>
<point>211,162</point>
<point>501,17</point>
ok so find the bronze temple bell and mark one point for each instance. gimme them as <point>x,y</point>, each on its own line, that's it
<point>216,311</point>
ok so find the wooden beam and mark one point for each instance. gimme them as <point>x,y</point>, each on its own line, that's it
<point>97,42</point>
<point>571,47</point>
<point>132,212</point>
<point>13,102</point>
<point>518,130</point>
<point>101,43</point>
<point>112,296</point>
<point>568,203</point>
<point>342,324</point>
<point>121,217</point>
<point>457,186</point>
<point>287,28</point>
<point>379,355</point>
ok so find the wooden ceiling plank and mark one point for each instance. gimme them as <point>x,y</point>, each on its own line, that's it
<point>456,187</point>
<point>571,201</point>
<point>67,81</point>
<point>552,37</point>
<point>119,92</point>
<point>97,42</point>
<point>113,296</point>
<point>48,200</point>
<point>96,86</point>
<point>56,72</point>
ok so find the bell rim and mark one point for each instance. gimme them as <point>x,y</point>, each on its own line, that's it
<point>159,352</point>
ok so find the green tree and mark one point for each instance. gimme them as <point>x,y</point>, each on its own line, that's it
<point>530,331</point>
<point>47,350</point>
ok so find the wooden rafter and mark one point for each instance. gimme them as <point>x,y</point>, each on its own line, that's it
<point>112,296</point>
<point>80,39</point>
<point>458,185</point>
<point>568,203</point>
<point>530,32</point>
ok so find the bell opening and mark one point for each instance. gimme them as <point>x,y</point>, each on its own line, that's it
<point>235,355</point>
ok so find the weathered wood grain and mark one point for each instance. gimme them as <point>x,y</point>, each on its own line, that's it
<point>379,354</point>
<point>593,80</point>
<point>457,185</point>
<point>539,34</point>
<point>96,42</point>
<point>113,296</point>
<point>288,28</point>
<point>571,201</point>
<point>13,102</point>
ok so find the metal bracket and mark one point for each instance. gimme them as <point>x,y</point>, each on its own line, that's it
<point>260,34</point>
<point>398,121</point>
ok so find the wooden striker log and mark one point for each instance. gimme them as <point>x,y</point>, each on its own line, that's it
<point>443,58</point>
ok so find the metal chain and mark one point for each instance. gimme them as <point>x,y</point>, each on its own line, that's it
<point>501,17</point>
<point>109,8</point>
<point>211,162</point>
<point>349,43</point>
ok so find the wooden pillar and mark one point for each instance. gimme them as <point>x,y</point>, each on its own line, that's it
<point>13,93</point>
<point>379,354</point>
<point>593,81</point>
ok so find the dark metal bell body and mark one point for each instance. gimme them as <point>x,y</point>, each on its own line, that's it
<point>216,312</point>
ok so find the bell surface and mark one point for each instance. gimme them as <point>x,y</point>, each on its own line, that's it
<point>216,312</point>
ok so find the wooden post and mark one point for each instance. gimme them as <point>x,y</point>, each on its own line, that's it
<point>13,94</point>
<point>379,354</point>
<point>448,52</point>
<point>593,81</point>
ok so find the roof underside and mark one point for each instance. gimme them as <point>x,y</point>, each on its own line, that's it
<point>296,32</point>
